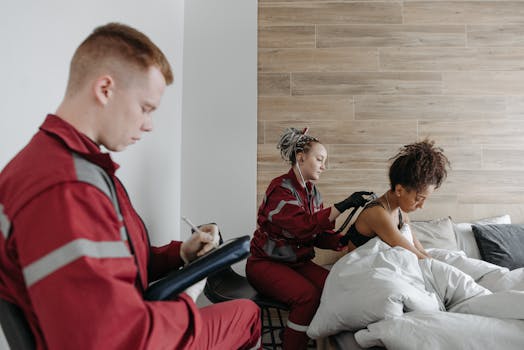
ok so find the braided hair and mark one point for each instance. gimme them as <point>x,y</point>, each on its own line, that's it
<point>419,165</point>
<point>294,141</point>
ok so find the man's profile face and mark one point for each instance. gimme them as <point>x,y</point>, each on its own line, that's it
<point>130,109</point>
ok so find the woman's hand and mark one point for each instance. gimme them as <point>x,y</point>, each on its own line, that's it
<point>356,199</point>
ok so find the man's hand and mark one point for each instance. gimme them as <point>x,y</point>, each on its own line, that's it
<point>200,242</point>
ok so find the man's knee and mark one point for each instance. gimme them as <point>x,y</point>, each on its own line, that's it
<point>248,308</point>
<point>251,318</point>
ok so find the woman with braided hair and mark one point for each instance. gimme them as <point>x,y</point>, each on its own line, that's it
<point>417,170</point>
<point>291,221</point>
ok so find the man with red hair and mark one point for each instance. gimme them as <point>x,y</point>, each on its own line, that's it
<point>74,254</point>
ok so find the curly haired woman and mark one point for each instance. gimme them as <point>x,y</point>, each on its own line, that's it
<point>417,170</point>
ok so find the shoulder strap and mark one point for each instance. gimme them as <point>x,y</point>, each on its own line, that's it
<point>355,212</point>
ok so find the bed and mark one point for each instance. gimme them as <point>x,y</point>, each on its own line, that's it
<point>378,296</point>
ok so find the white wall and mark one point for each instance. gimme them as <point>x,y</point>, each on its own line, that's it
<point>219,139</point>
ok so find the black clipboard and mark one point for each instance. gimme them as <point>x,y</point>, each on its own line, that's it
<point>174,283</point>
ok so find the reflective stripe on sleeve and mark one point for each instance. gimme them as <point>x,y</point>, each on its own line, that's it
<point>279,208</point>
<point>5,224</point>
<point>296,327</point>
<point>68,253</point>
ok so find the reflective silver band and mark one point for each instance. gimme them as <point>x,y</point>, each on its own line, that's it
<point>296,327</point>
<point>279,208</point>
<point>5,224</point>
<point>68,253</point>
<point>94,175</point>
<point>256,347</point>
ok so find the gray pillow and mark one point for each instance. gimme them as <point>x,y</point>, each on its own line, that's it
<point>436,233</point>
<point>502,245</point>
<point>465,237</point>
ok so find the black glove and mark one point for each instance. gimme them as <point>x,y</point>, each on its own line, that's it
<point>344,240</point>
<point>357,199</point>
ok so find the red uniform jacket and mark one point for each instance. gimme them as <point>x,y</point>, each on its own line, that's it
<point>72,262</point>
<point>289,223</point>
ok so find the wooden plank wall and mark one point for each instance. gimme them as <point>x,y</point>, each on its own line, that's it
<point>370,76</point>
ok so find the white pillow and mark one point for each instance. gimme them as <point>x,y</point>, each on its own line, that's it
<point>465,237</point>
<point>437,233</point>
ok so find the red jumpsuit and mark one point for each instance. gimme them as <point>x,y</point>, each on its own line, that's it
<point>77,265</point>
<point>289,225</point>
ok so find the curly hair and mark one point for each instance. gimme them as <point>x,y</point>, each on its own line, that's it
<point>419,165</point>
<point>294,141</point>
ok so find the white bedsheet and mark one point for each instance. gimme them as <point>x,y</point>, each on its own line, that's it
<point>443,331</point>
<point>376,284</point>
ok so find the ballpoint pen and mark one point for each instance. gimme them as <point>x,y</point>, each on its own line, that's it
<point>196,229</point>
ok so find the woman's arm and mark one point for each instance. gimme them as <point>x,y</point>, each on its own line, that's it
<point>416,242</point>
<point>419,246</point>
<point>282,209</point>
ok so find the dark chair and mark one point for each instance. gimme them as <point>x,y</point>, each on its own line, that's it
<point>16,329</point>
<point>228,285</point>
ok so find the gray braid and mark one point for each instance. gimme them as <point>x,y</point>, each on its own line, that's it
<point>294,141</point>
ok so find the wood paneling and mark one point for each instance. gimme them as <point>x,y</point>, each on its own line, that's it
<point>274,84</point>
<point>510,197</point>
<point>317,60</point>
<point>350,132</point>
<point>476,132</point>
<point>392,35</point>
<point>260,132</point>
<point>370,76</point>
<point>329,13</point>
<point>376,157</point>
<point>515,107</point>
<point>467,12</point>
<point>286,36</point>
<point>361,156</point>
<point>450,59</point>
<point>269,159</point>
<point>363,83</point>
<point>473,181</point>
<point>436,107</point>
<point>503,157</point>
<point>510,35</point>
<point>305,108</point>
<point>342,183</point>
<point>483,83</point>
<point>463,157</point>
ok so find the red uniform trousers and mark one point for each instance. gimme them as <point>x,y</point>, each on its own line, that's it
<point>230,325</point>
<point>299,286</point>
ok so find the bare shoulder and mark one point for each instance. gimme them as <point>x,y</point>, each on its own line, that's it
<point>373,213</point>
<point>371,219</point>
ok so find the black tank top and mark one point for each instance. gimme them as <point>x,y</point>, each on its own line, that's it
<point>358,238</point>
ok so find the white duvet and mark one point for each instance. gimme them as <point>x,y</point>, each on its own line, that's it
<point>391,298</point>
